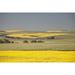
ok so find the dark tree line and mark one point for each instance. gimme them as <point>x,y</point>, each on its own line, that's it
<point>5,41</point>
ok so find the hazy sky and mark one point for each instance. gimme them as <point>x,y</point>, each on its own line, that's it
<point>37,21</point>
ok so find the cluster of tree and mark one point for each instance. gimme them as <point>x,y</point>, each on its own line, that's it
<point>39,40</point>
<point>52,37</point>
<point>26,41</point>
<point>5,41</point>
<point>34,41</point>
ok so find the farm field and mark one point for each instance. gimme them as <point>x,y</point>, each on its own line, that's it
<point>23,46</point>
<point>37,56</point>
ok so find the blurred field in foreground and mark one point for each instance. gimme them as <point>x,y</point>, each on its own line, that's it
<point>37,56</point>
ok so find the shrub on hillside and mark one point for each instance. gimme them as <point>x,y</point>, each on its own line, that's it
<point>52,37</point>
<point>1,41</point>
<point>25,41</point>
<point>6,41</point>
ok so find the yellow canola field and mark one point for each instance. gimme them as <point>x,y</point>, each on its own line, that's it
<point>30,35</point>
<point>37,56</point>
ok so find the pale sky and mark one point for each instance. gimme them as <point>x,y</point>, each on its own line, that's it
<point>37,21</point>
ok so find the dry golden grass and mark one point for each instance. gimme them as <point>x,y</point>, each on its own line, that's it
<point>30,35</point>
<point>37,56</point>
